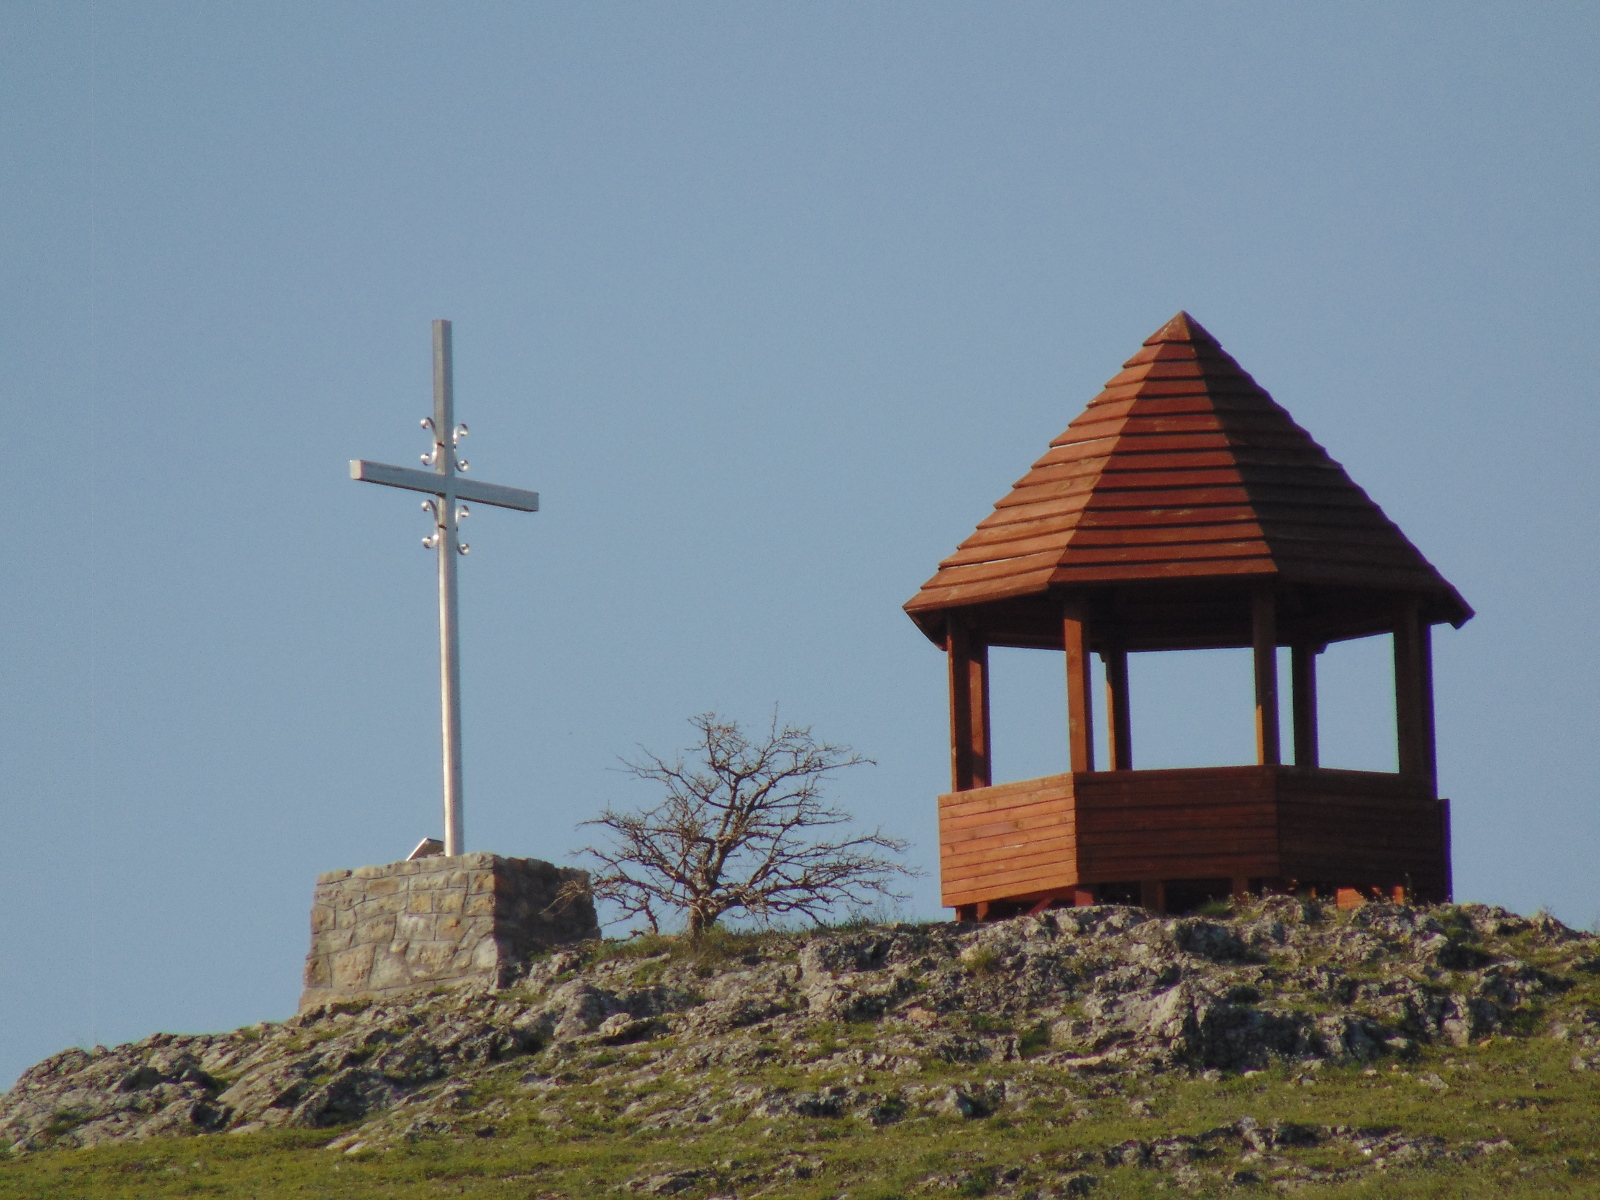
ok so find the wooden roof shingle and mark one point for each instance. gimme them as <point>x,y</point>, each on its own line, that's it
<point>1183,468</point>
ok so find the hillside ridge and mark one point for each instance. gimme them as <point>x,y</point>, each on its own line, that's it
<point>1031,1018</point>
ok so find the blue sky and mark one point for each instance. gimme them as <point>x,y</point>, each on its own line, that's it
<point>770,302</point>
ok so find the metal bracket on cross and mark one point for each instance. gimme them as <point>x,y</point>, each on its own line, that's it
<point>448,492</point>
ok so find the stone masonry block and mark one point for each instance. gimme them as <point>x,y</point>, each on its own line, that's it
<point>429,960</point>
<point>380,906</point>
<point>378,930</point>
<point>412,925</point>
<point>351,969</point>
<point>470,921</point>
<point>389,971</point>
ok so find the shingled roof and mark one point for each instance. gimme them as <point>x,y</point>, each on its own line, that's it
<point>1183,468</point>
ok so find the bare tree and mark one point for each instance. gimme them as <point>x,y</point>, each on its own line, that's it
<point>741,830</point>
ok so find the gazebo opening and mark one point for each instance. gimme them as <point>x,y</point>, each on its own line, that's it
<point>1356,722</point>
<point>1029,713</point>
<point>1185,510</point>
<point>1189,708</point>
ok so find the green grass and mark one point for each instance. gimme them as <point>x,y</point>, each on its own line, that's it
<point>1520,1090</point>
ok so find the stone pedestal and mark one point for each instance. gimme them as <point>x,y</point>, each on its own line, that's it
<point>472,920</point>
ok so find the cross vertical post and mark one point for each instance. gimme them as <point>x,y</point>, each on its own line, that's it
<point>447,490</point>
<point>447,546</point>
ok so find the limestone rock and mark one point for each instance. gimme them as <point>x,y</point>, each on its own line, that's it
<point>1098,992</point>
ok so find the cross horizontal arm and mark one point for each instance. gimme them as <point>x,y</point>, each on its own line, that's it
<point>431,481</point>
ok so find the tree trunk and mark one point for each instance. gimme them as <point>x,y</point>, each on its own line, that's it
<point>699,923</point>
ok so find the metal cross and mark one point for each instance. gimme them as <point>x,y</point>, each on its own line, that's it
<point>449,490</point>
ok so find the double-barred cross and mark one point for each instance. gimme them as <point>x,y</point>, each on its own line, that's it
<point>448,491</point>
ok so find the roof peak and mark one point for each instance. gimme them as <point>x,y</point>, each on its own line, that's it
<point>1182,328</point>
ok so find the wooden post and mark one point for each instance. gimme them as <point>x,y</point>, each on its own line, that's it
<point>1444,838</point>
<point>1080,700</point>
<point>969,707</point>
<point>1413,696</point>
<point>1264,639</point>
<point>1119,720</point>
<point>1303,680</point>
<point>1153,895</point>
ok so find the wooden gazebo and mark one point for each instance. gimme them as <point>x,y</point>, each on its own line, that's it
<point>1184,509</point>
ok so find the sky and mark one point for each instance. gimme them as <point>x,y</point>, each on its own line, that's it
<point>770,303</point>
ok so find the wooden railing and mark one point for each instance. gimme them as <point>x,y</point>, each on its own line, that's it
<point>1040,837</point>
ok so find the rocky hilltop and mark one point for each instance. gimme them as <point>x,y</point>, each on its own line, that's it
<point>876,1024</point>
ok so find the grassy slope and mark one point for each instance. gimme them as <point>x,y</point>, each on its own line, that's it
<point>1522,1089</point>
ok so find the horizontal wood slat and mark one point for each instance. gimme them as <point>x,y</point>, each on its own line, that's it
<point>1171,868</point>
<point>1030,815</point>
<point>1019,891</point>
<point>1073,575</point>
<point>1173,823</point>
<point>999,887</point>
<point>1034,822</point>
<point>1049,852</point>
<point>1179,841</point>
<point>1047,786</point>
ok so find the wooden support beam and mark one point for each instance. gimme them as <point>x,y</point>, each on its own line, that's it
<point>1085,895</point>
<point>969,707</point>
<point>1240,889</point>
<point>1080,699</point>
<point>1413,695</point>
<point>1449,868</point>
<point>1153,895</point>
<point>1303,681</point>
<point>1264,640</point>
<point>1119,719</point>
